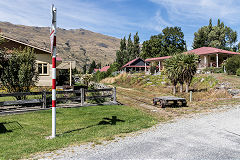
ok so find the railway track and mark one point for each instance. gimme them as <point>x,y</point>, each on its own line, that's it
<point>141,100</point>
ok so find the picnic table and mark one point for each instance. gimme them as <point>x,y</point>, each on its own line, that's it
<point>169,101</point>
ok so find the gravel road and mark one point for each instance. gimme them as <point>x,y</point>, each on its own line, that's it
<point>206,136</point>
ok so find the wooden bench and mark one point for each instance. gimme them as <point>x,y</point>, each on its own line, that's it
<point>165,101</point>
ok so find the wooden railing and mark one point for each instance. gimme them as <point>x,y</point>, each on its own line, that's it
<point>79,95</point>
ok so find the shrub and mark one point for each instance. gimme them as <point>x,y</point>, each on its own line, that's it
<point>233,64</point>
<point>238,72</point>
<point>152,69</point>
<point>19,72</point>
<point>213,70</point>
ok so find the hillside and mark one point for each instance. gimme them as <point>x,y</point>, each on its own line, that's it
<point>74,44</point>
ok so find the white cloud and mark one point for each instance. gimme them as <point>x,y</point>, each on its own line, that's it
<point>191,10</point>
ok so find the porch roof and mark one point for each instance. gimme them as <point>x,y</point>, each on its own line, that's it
<point>157,58</point>
<point>210,50</point>
<point>137,66</point>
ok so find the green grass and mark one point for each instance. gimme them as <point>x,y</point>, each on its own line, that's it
<point>74,126</point>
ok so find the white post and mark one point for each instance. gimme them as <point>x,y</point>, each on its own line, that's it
<point>82,96</point>
<point>190,96</point>
<point>70,73</point>
<point>114,95</point>
<point>53,51</point>
<point>145,67</point>
<point>205,61</point>
<point>159,65</point>
<point>217,60</point>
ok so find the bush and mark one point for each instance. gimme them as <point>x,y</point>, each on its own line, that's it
<point>213,70</point>
<point>98,76</point>
<point>152,69</point>
<point>238,72</point>
<point>19,72</point>
<point>233,64</point>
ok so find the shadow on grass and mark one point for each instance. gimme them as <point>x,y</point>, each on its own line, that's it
<point>9,126</point>
<point>105,121</point>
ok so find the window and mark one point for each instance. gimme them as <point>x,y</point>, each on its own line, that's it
<point>43,68</point>
<point>212,58</point>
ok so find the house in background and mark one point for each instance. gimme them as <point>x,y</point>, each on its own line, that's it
<point>43,59</point>
<point>104,69</point>
<point>136,65</point>
<point>208,57</point>
<point>212,57</point>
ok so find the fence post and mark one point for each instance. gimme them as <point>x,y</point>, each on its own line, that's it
<point>44,99</point>
<point>114,95</point>
<point>82,96</point>
<point>190,96</point>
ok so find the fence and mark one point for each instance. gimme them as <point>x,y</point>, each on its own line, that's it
<point>79,96</point>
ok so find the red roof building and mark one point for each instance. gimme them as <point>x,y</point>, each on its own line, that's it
<point>104,69</point>
<point>136,64</point>
<point>210,50</point>
<point>212,57</point>
<point>209,57</point>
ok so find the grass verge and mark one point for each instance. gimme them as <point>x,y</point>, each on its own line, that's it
<point>74,126</point>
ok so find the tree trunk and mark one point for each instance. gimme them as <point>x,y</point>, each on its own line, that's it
<point>187,88</point>
<point>174,89</point>
<point>181,88</point>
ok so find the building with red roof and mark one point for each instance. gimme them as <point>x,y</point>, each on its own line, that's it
<point>136,64</point>
<point>212,57</point>
<point>104,69</point>
<point>209,57</point>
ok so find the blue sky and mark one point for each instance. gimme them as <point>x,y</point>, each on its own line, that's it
<point>118,18</point>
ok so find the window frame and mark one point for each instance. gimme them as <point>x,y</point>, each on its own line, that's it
<point>43,65</point>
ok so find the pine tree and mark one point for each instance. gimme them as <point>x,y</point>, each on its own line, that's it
<point>92,67</point>
<point>136,47</point>
<point>129,50</point>
<point>121,53</point>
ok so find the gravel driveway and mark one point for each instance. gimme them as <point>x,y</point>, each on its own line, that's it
<point>211,136</point>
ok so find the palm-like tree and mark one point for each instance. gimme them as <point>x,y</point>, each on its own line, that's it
<point>172,71</point>
<point>190,68</point>
<point>181,68</point>
<point>180,60</point>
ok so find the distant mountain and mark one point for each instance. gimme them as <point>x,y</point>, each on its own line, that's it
<point>80,45</point>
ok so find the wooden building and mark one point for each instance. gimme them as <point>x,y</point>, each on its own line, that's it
<point>136,65</point>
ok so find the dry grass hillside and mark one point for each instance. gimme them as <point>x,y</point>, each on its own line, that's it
<point>74,44</point>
